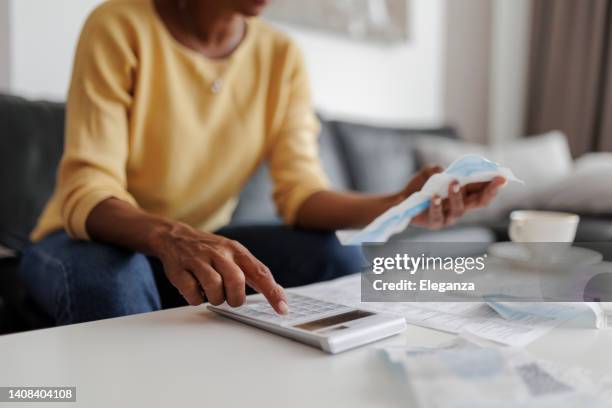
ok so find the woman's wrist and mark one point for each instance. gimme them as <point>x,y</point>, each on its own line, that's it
<point>160,233</point>
<point>405,193</point>
<point>397,198</point>
<point>384,203</point>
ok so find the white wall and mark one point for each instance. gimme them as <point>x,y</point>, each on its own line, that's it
<point>43,36</point>
<point>4,44</point>
<point>486,68</point>
<point>467,67</point>
<point>509,68</point>
<point>393,84</point>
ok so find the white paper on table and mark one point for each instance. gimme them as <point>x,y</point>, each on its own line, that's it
<point>461,373</point>
<point>476,318</point>
<point>541,312</point>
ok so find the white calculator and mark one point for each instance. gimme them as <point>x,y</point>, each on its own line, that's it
<point>328,326</point>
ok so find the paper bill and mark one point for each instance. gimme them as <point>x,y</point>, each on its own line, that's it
<point>461,373</point>
<point>477,318</point>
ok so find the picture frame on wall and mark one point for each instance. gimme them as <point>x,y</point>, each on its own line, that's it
<point>383,21</point>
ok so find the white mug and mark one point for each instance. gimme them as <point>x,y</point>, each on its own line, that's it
<point>543,233</point>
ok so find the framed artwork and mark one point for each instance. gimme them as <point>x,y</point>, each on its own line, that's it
<point>369,20</point>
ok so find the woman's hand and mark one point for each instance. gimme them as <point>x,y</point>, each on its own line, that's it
<point>333,210</point>
<point>442,213</point>
<point>199,263</point>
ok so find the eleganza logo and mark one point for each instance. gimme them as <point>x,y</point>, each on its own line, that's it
<point>423,285</point>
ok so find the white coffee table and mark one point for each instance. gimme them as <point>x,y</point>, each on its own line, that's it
<point>192,357</point>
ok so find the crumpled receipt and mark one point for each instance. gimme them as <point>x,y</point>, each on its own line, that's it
<point>466,170</point>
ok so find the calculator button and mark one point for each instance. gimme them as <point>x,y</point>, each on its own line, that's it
<point>301,309</point>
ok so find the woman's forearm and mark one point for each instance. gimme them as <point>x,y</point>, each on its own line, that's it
<point>119,223</point>
<point>331,210</point>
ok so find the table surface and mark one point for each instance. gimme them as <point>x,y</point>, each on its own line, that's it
<point>192,357</point>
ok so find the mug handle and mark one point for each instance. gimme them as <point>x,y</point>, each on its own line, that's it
<point>515,230</point>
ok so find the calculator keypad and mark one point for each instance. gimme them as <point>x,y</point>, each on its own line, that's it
<point>301,309</point>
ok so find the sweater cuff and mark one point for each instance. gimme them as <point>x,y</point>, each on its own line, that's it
<point>294,203</point>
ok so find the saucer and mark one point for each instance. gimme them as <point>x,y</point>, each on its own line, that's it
<point>519,256</point>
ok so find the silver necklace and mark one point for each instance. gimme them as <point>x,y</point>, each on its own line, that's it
<point>217,84</point>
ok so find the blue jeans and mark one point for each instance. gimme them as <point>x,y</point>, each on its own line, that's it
<point>78,281</point>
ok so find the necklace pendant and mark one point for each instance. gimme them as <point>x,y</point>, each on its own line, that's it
<point>216,86</point>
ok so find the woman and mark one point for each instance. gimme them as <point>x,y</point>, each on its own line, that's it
<point>172,105</point>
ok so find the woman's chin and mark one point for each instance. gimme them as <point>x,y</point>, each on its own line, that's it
<point>253,8</point>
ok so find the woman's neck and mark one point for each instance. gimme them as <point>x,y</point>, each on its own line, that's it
<point>207,26</point>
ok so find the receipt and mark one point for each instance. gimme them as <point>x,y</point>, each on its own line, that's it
<point>478,318</point>
<point>461,373</point>
<point>466,170</point>
<point>543,312</point>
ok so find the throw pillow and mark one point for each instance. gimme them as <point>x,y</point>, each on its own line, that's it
<point>540,161</point>
<point>587,190</point>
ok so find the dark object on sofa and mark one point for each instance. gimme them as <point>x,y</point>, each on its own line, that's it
<point>17,312</point>
<point>31,145</point>
<point>356,157</point>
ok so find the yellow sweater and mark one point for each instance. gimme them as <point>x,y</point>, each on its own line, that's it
<point>145,125</point>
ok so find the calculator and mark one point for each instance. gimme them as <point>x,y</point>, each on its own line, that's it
<point>329,326</point>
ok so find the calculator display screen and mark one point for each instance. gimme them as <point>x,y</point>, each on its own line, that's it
<point>333,320</point>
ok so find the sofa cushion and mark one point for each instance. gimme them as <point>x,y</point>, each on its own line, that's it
<point>255,205</point>
<point>585,190</point>
<point>31,144</point>
<point>381,160</point>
